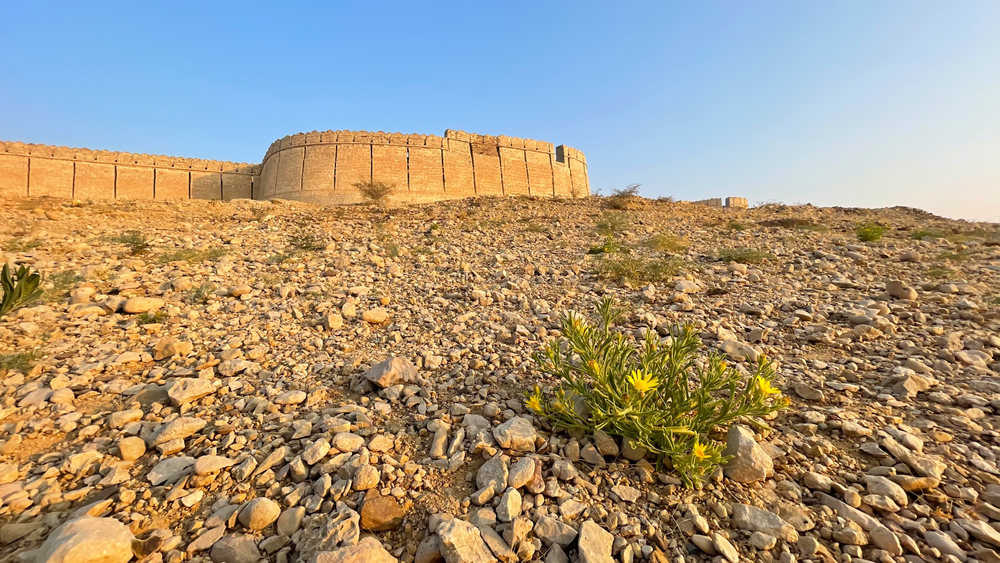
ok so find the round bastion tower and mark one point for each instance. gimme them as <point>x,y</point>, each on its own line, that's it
<point>323,167</point>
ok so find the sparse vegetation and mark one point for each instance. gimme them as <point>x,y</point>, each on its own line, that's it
<point>735,225</point>
<point>20,288</point>
<point>192,255</point>
<point>744,255</point>
<point>375,193</point>
<point>869,232</point>
<point>61,284</point>
<point>666,243</point>
<point>150,317</point>
<point>636,269</point>
<point>940,272</point>
<point>134,240</point>
<point>922,234</point>
<point>199,295</point>
<point>21,245</point>
<point>612,222</point>
<point>307,242</point>
<point>659,396</point>
<point>609,246</point>
<point>20,361</point>
<point>623,198</point>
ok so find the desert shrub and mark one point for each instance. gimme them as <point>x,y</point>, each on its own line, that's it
<point>744,255</point>
<point>621,267</point>
<point>622,198</point>
<point>21,245</point>
<point>149,317</point>
<point>657,395</point>
<point>192,255</point>
<point>735,225</point>
<point>20,361</point>
<point>199,295</point>
<point>61,284</point>
<point>666,243</point>
<point>940,272</point>
<point>134,240</point>
<point>609,246</point>
<point>612,222</point>
<point>869,232</point>
<point>307,242</point>
<point>19,288</point>
<point>921,234</point>
<point>374,193</point>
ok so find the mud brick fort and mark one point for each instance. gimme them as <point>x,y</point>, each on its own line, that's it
<point>317,167</point>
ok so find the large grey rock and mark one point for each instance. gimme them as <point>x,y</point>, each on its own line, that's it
<point>749,461</point>
<point>494,474</point>
<point>235,548</point>
<point>189,389</point>
<point>746,517</point>
<point>392,372</point>
<point>461,542</point>
<point>368,550</point>
<point>329,532</point>
<point>179,428</point>
<point>259,513</point>
<point>551,530</point>
<point>87,540</point>
<point>516,434</point>
<point>594,544</point>
<point>170,470</point>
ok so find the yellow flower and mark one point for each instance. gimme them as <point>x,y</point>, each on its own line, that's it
<point>765,387</point>
<point>642,381</point>
<point>700,451</point>
<point>534,401</point>
<point>593,365</point>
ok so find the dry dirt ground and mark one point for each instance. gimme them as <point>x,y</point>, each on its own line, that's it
<point>196,369</point>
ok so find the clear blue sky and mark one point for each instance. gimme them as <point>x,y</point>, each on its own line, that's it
<point>852,103</point>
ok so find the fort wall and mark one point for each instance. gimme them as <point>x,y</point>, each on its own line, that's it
<point>46,170</point>
<point>319,166</point>
<point>323,166</point>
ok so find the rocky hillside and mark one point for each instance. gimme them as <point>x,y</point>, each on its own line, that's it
<point>267,381</point>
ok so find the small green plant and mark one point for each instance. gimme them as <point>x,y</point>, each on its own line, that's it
<point>744,255</point>
<point>306,242</point>
<point>921,234</point>
<point>21,245</point>
<point>869,232</point>
<point>666,243</point>
<point>192,255</point>
<point>536,228</point>
<point>609,246</point>
<point>657,395</point>
<point>622,267</point>
<point>735,225</point>
<point>374,193</point>
<point>21,361</point>
<point>19,288</point>
<point>134,240</point>
<point>199,295</point>
<point>61,284</point>
<point>149,317</point>
<point>612,222</point>
<point>940,272</point>
<point>622,198</point>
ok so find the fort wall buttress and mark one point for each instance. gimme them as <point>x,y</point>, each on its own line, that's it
<point>46,170</point>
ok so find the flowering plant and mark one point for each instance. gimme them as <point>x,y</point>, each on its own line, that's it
<point>654,393</point>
